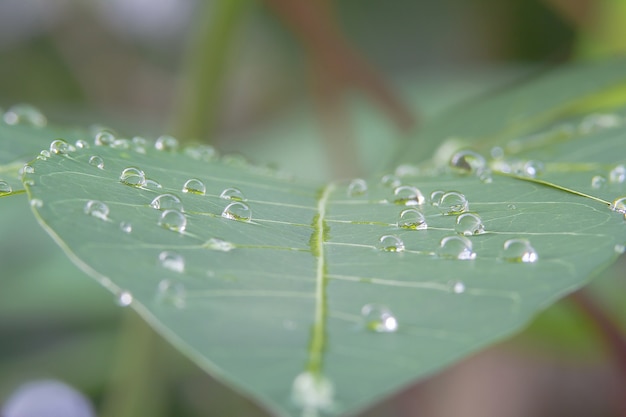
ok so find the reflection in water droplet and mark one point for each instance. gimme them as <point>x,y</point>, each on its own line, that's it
<point>124,299</point>
<point>379,318</point>
<point>458,287</point>
<point>5,188</point>
<point>173,220</point>
<point>172,261</point>
<point>619,205</point>
<point>618,174</point>
<point>25,114</point>
<point>104,138</point>
<point>201,152</point>
<point>390,180</point>
<point>468,161</point>
<point>36,203</point>
<point>96,161</point>
<point>456,247</point>
<point>166,143</point>
<point>532,168</point>
<point>133,176</point>
<point>126,227</point>
<point>408,195</point>
<point>167,201</point>
<point>313,393</point>
<point>171,293</point>
<point>519,250</point>
<point>194,186</point>
<point>390,243</point>
<point>412,219</point>
<point>237,211</point>
<point>357,187</point>
<point>598,181</point>
<point>97,209</point>
<point>469,224</point>
<point>61,147</point>
<point>435,197</point>
<point>232,194</point>
<point>219,244</point>
<point>453,203</point>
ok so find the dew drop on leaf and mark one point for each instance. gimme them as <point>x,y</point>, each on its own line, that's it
<point>121,144</point>
<point>96,209</point>
<point>598,181</point>
<point>133,177</point>
<point>468,161</point>
<point>219,245</point>
<point>618,174</point>
<point>25,114</point>
<point>497,152</point>
<point>412,219</point>
<point>152,184</point>
<point>532,168</point>
<point>435,197</point>
<point>456,247</point>
<point>201,152</point>
<point>96,161</point>
<point>237,211</point>
<point>379,318</point>
<point>194,186</point>
<point>36,203</point>
<point>172,293</point>
<point>139,144</point>
<point>519,250</point>
<point>232,194</point>
<point>28,169</point>
<point>126,227</point>
<point>166,143</point>
<point>313,393</point>
<point>469,224</point>
<point>61,147</point>
<point>620,248</point>
<point>43,155</point>
<point>167,202</point>
<point>81,144</point>
<point>173,220</point>
<point>453,203</point>
<point>391,243</point>
<point>104,138</point>
<point>457,287</point>
<point>390,180</point>
<point>5,188</point>
<point>124,299</point>
<point>408,195</point>
<point>172,261</point>
<point>619,205</point>
<point>357,188</point>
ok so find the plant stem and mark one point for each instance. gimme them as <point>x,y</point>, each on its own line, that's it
<point>204,65</point>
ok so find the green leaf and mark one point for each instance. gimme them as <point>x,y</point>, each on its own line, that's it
<point>306,305</point>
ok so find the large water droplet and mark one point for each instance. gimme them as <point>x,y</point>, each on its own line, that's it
<point>391,243</point>
<point>312,393</point>
<point>166,202</point>
<point>25,114</point>
<point>390,180</point>
<point>133,176</point>
<point>173,220</point>
<point>104,138</point>
<point>124,299</point>
<point>126,227</point>
<point>232,194</point>
<point>468,161</point>
<point>166,143</point>
<point>456,247</point>
<point>408,195</point>
<point>5,188</point>
<point>618,174</point>
<point>379,318</point>
<point>194,186</point>
<point>172,293</point>
<point>619,205</point>
<point>96,161</point>
<point>453,203</point>
<point>219,244</point>
<point>237,211</point>
<point>532,168</point>
<point>412,219</point>
<point>97,209</point>
<point>519,250</point>
<point>469,224</point>
<point>598,181</point>
<point>61,147</point>
<point>357,188</point>
<point>172,261</point>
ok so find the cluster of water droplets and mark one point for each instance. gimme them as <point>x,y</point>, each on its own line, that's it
<point>237,209</point>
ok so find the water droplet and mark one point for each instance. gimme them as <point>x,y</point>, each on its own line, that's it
<point>201,152</point>
<point>97,209</point>
<point>469,224</point>
<point>457,287</point>
<point>121,144</point>
<point>5,188</point>
<point>357,187</point>
<point>25,114</point>
<point>167,202</point>
<point>595,122</point>
<point>124,299</point>
<point>519,250</point>
<point>173,220</point>
<point>497,152</point>
<point>620,248</point>
<point>511,206</point>
<point>166,143</point>
<point>390,180</point>
<point>96,161</point>
<point>237,211</point>
<point>312,393</point>
<point>139,144</point>
<point>172,261</point>
<point>172,293</point>
<point>61,147</point>
<point>453,203</point>
<point>456,247</point>
<point>232,194</point>
<point>618,174</point>
<point>81,144</point>
<point>219,244</point>
<point>379,318</point>
<point>194,186</point>
<point>408,195</point>
<point>104,138</point>
<point>468,161</point>
<point>598,181</point>
<point>133,176</point>
<point>152,184</point>
<point>391,243</point>
<point>36,203</point>
<point>485,176</point>
<point>532,168</point>
<point>126,227</point>
<point>435,197</point>
<point>412,219</point>
<point>27,169</point>
<point>43,155</point>
<point>619,205</point>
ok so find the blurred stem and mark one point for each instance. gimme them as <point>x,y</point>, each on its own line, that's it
<point>580,13</point>
<point>204,65</point>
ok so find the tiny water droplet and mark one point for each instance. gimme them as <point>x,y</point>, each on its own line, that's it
<point>36,203</point>
<point>133,177</point>
<point>468,161</point>
<point>511,206</point>
<point>620,248</point>
<point>408,195</point>
<point>152,184</point>
<point>532,168</point>
<point>619,205</point>
<point>167,202</point>
<point>456,247</point>
<point>28,169</point>
<point>104,138</point>
<point>357,188</point>
<point>25,114</point>
<point>166,143</point>
<point>61,147</point>
<point>519,250</point>
<point>96,161</point>
<point>172,261</point>
<point>126,227</point>
<point>390,180</point>
<point>379,318</point>
<point>457,287</point>
<point>173,220</point>
<point>453,203</point>
<point>124,299</point>
<point>232,194</point>
<point>469,224</point>
<point>81,144</point>
<point>312,393</point>
<point>43,155</point>
<point>598,181</point>
<point>173,293</point>
<point>435,197</point>
<point>618,174</point>
<point>139,144</point>
<point>5,188</point>
<point>201,152</point>
<point>219,244</point>
<point>391,243</point>
<point>497,152</point>
<point>97,209</point>
<point>237,211</point>
<point>194,186</point>
<point>485,176</point>
<point>412,219</point>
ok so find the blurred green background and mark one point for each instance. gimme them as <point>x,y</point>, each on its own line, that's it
<point>242,75</point>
